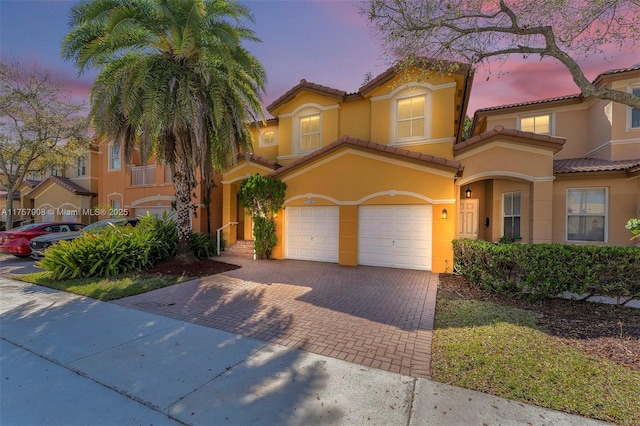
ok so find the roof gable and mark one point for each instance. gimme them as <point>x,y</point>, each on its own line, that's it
<point>304,85</point>
<point>65,183</point>
<point>500,132</point>
<point>386,150</point>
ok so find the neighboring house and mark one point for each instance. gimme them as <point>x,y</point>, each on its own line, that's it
<point>562,170</point>
<point>137,189</point>
<point>58,195</point>
<point>371,178</point>
<point>19,200</point>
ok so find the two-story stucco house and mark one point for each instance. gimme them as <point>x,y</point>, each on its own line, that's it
<point>371,178</point>
<point>562,170</point>
<point>58,195</point>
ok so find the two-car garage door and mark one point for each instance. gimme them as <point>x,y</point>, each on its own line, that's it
<point>393,236</point>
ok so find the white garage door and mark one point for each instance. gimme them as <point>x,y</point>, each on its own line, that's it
<point>395,236</point>
<point>312,233</point>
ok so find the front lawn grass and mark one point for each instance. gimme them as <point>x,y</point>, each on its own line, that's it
<point>105,289</point>
<point>498,350</point>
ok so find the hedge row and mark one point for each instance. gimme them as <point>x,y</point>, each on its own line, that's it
<point>548,270</point>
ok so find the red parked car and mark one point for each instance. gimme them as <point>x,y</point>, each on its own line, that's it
<point>16,241</point>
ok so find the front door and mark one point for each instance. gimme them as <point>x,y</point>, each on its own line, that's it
<point>469,219</point>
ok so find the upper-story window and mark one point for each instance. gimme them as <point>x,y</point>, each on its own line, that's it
<point>411,117</point>
<point>309,133</point>
<point>540,124</point>
<point>633,114</point>
<point>81,167</point>
<point>114,156</point>
<point>269,137</point>
<point>587,214</point>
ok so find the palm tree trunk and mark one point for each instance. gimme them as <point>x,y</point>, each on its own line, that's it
<point>183,187</point>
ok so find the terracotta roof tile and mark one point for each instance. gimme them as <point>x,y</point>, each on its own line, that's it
<point>581,165</point>
<point>311,87</point>
<point>502,131</point>
<point>385,149</point>
<point>257,159</point>
<point>529,103</point>
<point>67,184</point>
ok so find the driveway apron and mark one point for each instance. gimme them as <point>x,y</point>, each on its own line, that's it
<point>377,317</point>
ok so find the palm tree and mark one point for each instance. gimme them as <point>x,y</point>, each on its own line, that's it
<point>174,81</point>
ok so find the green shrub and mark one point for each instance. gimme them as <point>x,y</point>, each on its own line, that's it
<point>203,245</point>
<point>113,250</point>
<point>547,270</point>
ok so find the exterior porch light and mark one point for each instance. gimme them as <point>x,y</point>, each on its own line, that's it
<point>468,192</point>
<point>444,213</point>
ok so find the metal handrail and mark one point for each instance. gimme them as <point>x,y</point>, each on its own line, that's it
<point>218,233</point>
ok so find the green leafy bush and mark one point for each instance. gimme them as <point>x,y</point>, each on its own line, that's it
<point>113,250</point>
<point>263,197</point>
<point>203,245</point>
<point>548,270</point>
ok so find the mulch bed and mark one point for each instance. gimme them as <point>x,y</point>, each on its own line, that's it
<point>601,330</point>
<point>196,268</point>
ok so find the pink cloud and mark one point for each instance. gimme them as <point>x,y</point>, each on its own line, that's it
<point>534,79</point>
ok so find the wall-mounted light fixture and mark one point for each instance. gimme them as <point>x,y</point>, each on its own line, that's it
<point>444,213</point>
<point>468,192</point>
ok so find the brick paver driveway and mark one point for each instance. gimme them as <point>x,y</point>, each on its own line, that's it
<point>379,317</point>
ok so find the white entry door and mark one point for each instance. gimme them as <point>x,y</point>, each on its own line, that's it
<point>312,233</point>
<point>469,219</point>
<point>395,236</point>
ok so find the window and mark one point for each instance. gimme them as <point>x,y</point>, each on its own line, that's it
<point>634,113</point>
<point>309,133</point>
<point>269,138</point>
<point>114,156</point>
<point>586,214</point>
<point>540,124</point>
<point>82,167</point>
<point>411,117</point>
<point>511,214</point>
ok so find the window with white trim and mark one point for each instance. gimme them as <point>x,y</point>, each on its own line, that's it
<point>511,212</point>
<point>114,156</point>
<point>410,115</point>
<point>310,135</point>
<point>540,124</point>
<point>587,214</point>
<point>633,114</point>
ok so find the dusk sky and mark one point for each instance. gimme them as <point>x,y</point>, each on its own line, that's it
<point>325,42</point>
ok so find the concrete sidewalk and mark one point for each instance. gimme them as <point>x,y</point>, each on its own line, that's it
<point>70,360</point>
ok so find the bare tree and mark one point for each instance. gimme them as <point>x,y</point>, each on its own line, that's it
<point>480,31</point>
<point>40,128</point>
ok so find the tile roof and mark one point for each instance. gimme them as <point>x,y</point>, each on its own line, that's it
<point>578,165</point>
<point>308,86</point>
<point>502,131</point>
<point>529,103</point>
<point>256,159</point>
<point>371,146</point>
<point>66,184</point>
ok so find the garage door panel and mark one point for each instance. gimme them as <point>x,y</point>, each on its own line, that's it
<point>395,236</point>
<point>312,233</point>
